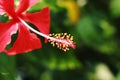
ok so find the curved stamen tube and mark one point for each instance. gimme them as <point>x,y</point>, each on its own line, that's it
<point>63,41</point>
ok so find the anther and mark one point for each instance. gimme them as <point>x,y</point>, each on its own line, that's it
<point>62,41</point>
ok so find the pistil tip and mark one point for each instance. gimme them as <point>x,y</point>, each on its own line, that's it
<point>62,40</point>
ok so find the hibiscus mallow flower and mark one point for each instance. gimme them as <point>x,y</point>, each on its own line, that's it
<point>27,39</point>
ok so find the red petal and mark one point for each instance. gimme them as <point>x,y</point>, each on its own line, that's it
<point>8,6</point>
<point>40,19</point>
<point>6,30</point>
<point>32,2</point>
<point>1,10</point>
<point>24,4</point>
<point>25,42</point>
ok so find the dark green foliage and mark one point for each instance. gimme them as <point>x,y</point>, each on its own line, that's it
<point>97,36</point>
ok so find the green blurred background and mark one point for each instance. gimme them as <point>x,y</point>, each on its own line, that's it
<point>95,25</point>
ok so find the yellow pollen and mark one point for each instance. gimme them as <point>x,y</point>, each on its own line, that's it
<point>64,40</point>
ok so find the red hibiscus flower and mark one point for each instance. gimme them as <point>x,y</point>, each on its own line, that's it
<point>27,41</point>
